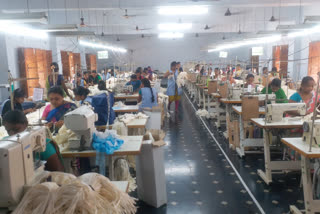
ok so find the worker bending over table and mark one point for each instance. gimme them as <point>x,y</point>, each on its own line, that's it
<point>249,81</point>
<point>81,94</point>
<point>96,77</point>
<point>16,122</point>
<point>147,95</point>
<point>18,99</point>
<point>305,94</point>
<point>275,87</point>
<point>58,107</point>
<point>135,83</point>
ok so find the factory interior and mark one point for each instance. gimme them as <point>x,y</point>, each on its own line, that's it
<point>159,106</point>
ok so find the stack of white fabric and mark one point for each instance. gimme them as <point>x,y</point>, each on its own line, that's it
<point>182,77</point>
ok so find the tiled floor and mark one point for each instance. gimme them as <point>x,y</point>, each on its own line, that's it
<point>201,180</point>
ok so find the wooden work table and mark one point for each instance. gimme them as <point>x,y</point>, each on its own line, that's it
<point>125,109</point>
<point>238,110</point>
<point>270,165</point>
<point>297,144</point>
<point>131,146</point>
<point>230,101</point>
<point>290,123</point>
<point>126,96</point>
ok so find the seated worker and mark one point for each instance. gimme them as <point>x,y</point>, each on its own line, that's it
<point>79,81</point>
<point>147,95</point>
<point>81,94</point>
<point>86,78</point>
<point>216,75</point>
<point>275,87</point>
<point>18,99</point>
<point>238,72</point>
<point>96,77</point>
<point>139,73</point>
<point>135,83</point>
<point>229,78</point>
<point>59,80</point>
<point>305,94</point>
<point>249,81</point>
<point>58,107</point>
<point>275,73</point>
<point>15,122</point>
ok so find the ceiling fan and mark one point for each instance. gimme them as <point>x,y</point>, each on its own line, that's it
<point>141,29</point>
<point>207,27</point>
<point>128,16</point>
<point>229,13</point>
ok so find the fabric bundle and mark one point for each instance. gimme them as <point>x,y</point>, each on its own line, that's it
<point>63,135</point>
<point>203,113</point>
<point>121,201</point>
<point>65,194</point>
<point>182,77</point>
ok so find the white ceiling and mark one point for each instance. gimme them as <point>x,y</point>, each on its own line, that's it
<point>250,15</point>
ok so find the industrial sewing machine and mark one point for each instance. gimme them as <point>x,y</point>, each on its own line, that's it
<point>307,126</point>
<point>234,93</point>
<point>263,97</point>
<point>275,111</point>
<point>81,122</point>
<point>19,164</point>
<point>128,89</point>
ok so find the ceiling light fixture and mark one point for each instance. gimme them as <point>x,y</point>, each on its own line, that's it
<point>101,46</point>
<point>183,10</point>
<point>171,35</point>
<point>174,26</point>
<point>55,28</point>
<point>305,32</point>
<point>20,30</point>
<point>40,17</point>
<point>254,41</point>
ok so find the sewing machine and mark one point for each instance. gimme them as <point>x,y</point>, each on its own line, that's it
<point>18,165</point>
<point>307,132</point>
<point>128,89</point>
<point>234,93</point>
<point>263,97</point>
<point>275,111</point>
<point>81,122</point>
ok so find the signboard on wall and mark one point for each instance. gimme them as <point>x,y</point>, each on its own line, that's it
<point>103,55</point>
<point>223,54</point>
<point>257,51</point>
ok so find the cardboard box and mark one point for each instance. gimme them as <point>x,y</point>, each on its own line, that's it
<point>154,121</point>
<point>151,180</point>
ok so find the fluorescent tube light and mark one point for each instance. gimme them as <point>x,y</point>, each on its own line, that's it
<point>171,35</point>
<point>71,33</point>
<point>55,28</point>
<point>312,19</point>
<point>183,10</point>
<point>101,46</point>
<point>174,26</point>
<point>262,40</point>
<point>20,30</point>
<point>296,27</point>
<point>40,17</point>
<point>305,32</point>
